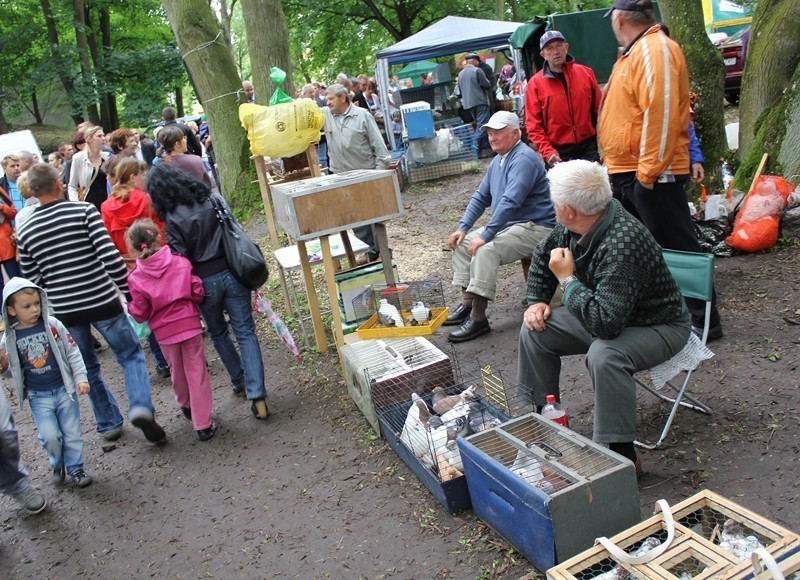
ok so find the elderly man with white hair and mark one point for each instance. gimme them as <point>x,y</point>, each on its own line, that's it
<point>621,306</point>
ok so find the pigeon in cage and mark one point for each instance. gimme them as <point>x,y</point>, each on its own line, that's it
<point>452,454</point>
<point>443,403</point>
<point>480,420</point>
<point>421,313</point>
<point>734,541</point>
<point>415,433</point>
<point>529,469</point>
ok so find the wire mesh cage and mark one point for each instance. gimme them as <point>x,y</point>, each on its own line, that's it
<point>451,144</point>
<point>403,309</point>
<point>423,414</point>
<point>712,538</point>
<point>546,489</point>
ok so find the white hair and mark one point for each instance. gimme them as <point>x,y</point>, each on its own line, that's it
<point>582,185</point>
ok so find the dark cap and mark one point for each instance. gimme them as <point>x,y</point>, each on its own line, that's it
<point>630,5</point>
<point>470,55</point>
<point>549,36</point>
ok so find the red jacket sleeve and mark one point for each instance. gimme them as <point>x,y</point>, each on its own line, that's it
<point>535,123</point>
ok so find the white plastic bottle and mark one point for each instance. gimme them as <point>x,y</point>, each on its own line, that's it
<point>554,412</point>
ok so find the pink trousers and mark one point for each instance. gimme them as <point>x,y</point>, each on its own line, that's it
<point>190,380</point>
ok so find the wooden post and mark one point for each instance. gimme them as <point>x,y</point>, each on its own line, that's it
<point>313,303</point>
<point>266,198</point>
<point>382,239</point>
<point>327,260</point>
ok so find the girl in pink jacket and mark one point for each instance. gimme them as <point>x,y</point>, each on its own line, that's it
<point>165,293</point>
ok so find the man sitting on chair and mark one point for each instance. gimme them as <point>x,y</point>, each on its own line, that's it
<point>515,187</point>
<point>621,306</point>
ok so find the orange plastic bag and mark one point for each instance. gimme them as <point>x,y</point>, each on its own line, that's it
<point>757,223</point>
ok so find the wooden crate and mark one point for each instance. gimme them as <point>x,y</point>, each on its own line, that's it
<point>328,204</point>
<point>695,548</point>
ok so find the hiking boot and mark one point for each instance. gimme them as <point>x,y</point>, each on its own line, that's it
<point>153,432</point>
<point>187,412</point>
<point>32,501</point>
<point>162,371</point>
<point>80,479</point>
<point>260,409</point>
<point>112,434</point>
<point>58,475</point>
<point>206,434</point>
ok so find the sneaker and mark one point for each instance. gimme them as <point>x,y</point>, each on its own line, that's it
<point>97,345</point>
<point>206,434</point>
<point>58,475</point>
<point>238,390</point>
<point>187,412</point>
<point>80,478</point>
<point>260,409</point>
<point>32,501</point>
<point>112,434</point>
<point>162,371</point>
<point>153,432</point>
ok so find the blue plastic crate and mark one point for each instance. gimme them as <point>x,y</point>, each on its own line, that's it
<point>419,124</point>
<point>585,491</point>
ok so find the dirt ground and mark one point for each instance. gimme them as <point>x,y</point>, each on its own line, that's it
<point>314,493</point>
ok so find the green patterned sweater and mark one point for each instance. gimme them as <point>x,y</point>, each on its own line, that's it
<point>622,277</point>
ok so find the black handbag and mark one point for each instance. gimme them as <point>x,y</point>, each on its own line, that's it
<point>245,260</point>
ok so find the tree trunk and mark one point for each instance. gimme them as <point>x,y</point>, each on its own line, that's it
<point>61,65</point>
<point>35,103</point>
<point>706,78</point>
<point>108,93</point>
<point>268,43</point>
<point>4,126</point>
<point>196,29</point>
<point>769,106</point>
<point>179,102</point>
<point>86,67</point>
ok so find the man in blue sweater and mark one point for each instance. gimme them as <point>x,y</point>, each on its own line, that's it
<point>515,188</point>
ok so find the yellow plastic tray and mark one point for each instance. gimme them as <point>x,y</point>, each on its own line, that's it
<point>373,329</point>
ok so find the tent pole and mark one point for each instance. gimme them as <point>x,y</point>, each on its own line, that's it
<point>382,76</point>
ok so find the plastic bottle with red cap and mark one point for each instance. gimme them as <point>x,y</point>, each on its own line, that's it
<point>553,411</point>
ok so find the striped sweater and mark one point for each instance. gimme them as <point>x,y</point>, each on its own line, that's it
<point>65,248</point>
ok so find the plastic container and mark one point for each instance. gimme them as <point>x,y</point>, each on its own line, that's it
<point>553,412</point>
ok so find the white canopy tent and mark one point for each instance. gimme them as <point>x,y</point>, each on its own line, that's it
<point>450,35</point>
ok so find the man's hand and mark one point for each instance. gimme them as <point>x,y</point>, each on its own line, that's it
<point>455,239</point>
<point>3,361</point>
<point>554,158</point>
<point>647,185</point>
<point>561,263</point>
<point>698,173</point>
<point>476,243</point>
<point>82,388</point>
<point>535,316</point>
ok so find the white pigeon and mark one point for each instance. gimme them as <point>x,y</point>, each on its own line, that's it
<point>415,433</point>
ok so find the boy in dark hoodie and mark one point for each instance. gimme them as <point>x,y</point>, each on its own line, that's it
<point>47,367</point>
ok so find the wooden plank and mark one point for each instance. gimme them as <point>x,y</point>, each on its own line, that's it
<point>327,260</point>
<point>266,198</point>
<point>348,249</point>
<point>313,302</point>
<point>382,240</point>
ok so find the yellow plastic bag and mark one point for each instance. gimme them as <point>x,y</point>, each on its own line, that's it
<point>282,130</point>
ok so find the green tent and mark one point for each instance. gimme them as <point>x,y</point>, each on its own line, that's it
<point>591,40</point>
<point>415,69</point>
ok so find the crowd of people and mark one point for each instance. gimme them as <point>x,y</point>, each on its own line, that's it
<point>82,243</point>
<point>119,238</point>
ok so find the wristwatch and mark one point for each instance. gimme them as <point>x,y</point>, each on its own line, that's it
<point>566,282</point>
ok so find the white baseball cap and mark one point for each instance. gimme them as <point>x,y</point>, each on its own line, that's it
<point>501,120</point>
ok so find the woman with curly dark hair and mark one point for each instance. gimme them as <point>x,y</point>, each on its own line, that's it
<point>183,204</point>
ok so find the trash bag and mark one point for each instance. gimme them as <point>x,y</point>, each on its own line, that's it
<point>757,224</point>
<point>282,130</point>
<point>278,77</point>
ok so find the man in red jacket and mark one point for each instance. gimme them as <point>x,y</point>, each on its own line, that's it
<point>561,105</point>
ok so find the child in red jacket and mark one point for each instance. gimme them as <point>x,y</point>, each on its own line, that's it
<point>165,293</point>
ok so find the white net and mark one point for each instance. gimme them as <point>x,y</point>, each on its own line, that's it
<point>687,359</point>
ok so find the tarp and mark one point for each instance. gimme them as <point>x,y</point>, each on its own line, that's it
<point>726,15</point>
<point>421,67</point>
<point>590,37</point>
<point>450,35</point>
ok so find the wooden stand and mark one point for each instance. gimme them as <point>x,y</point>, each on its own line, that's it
<point>265,180</point>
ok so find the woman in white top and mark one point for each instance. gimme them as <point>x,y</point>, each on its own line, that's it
<point>87,182</point>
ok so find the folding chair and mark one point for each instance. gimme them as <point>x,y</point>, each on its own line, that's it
<point>694,273</point>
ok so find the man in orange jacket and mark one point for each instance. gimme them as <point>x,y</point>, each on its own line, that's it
<point>561,104</point>
<point>644,134</point>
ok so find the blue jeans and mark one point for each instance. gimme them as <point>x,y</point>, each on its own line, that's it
<point>124,343</point>
<point>155,350</point>
<point>12,269</point>
<point>224,294</point>
<point>58,420</point>
<point>481,115</point>
<point>13,476</point>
